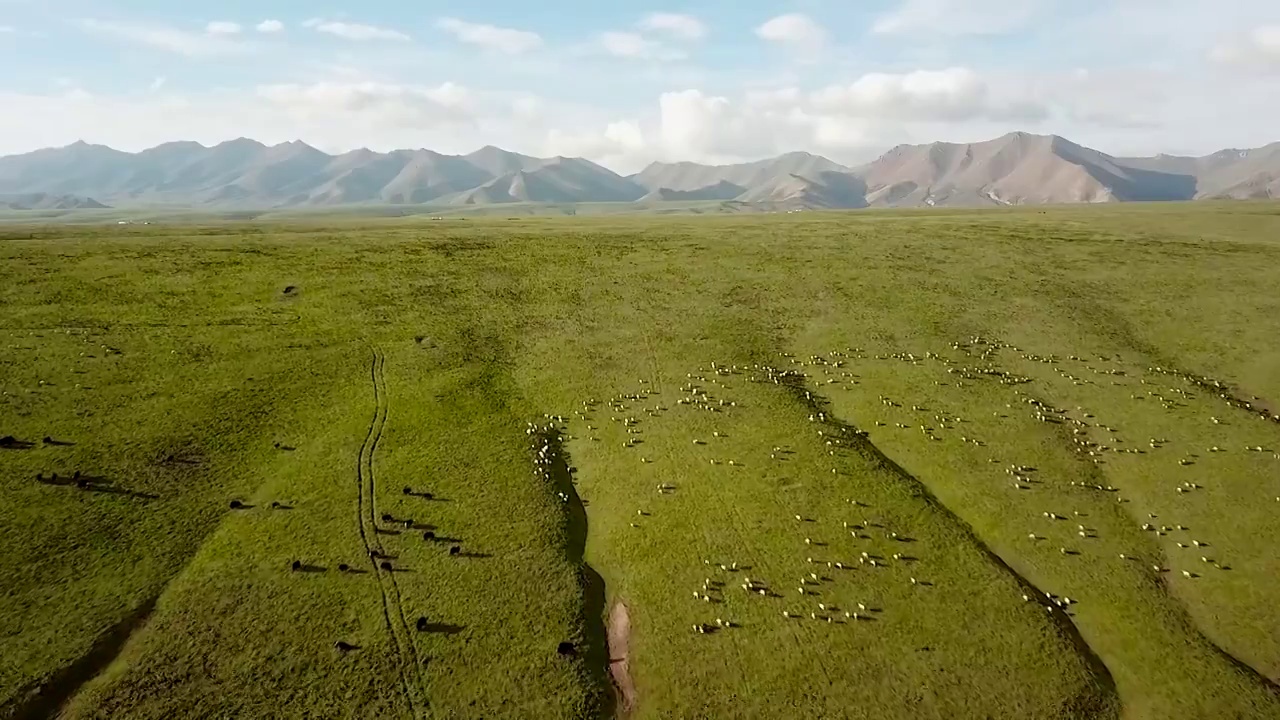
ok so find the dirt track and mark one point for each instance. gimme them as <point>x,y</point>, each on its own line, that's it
<point>619,665</point>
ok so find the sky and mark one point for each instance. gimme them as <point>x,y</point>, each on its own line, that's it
<point>628,82</point>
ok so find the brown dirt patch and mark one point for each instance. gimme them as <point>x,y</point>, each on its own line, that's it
<point>619,663</point>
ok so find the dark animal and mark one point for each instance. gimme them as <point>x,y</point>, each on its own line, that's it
<point>429,536</point>
<point>422,624</point>
<point>408,490</point>
<point>344,567</point>
<point>455,550</point>
<point>297,565</point>
<point>289,290</point>
<point>408,523</point>
<point>237,505</point>
<point>344,647</point>
<point>82,484</point>
<point>388,517</point>
<point>275,505</point>
<point>386,566</point>
<point>566,649</point>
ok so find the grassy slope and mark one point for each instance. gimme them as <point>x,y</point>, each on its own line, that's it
<point>525,317</point>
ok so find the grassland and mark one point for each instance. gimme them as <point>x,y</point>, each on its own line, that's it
<point>916,418</point>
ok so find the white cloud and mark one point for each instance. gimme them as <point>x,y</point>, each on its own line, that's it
<point>636,46</point>
<point>958,17</point>
<point>222,27</point>
<point>1257,49</point>
<point>381,104</point>
<point>163,37</point>
<point>797,31</point>
<point>270,26</point>
<point>334,116</point>
<point>7,29</point>
<point>684,27</point>
<point>354,31</point>
<point>953,94</point>
<point>490,37</point>
<point>157,84</point>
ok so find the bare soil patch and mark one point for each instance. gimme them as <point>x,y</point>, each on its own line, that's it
<point>619,664</point>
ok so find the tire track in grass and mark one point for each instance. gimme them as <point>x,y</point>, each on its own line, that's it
<point>367,520</point>
<point>397,602</point>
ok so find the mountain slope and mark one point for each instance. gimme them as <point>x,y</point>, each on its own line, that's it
<point>687,176</point>
<point>1015,169</point>
<point>46,201</point>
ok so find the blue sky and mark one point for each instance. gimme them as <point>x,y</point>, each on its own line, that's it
<point>629,81</point>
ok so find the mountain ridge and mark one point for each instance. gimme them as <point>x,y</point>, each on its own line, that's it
<point>1017,168</point>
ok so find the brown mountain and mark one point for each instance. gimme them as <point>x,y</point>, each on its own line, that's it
<point>1016,169</point>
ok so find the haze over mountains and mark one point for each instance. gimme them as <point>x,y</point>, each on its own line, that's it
<point>1015,169</point>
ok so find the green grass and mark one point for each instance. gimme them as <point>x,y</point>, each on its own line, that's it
<point>159,601</point>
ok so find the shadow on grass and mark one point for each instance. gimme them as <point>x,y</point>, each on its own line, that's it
<point>45,698</point>
<point>796,383</point>
<point>595,644</point>
<point>93,484</point>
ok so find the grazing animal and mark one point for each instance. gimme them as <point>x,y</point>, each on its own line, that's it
<point>297,565</point>
<point>388,517</point>
<point>344,647</point>
<point>455,550</point>
<point>344,567</point>
<point>386,566</point>
<point>429,536</point>
<point>422,624</point>
<point>408,490</point>
<point>237,505</point>
<point>566,649</point>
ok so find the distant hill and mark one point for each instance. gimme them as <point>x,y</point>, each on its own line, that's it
<point>1015,169</point>
<point>45,201</point>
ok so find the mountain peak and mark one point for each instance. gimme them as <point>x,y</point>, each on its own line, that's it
<point>240,142</point>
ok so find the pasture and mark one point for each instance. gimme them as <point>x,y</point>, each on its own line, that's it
<point>942,464</point>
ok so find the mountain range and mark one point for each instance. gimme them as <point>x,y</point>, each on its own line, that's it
<point>1015,169</point>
